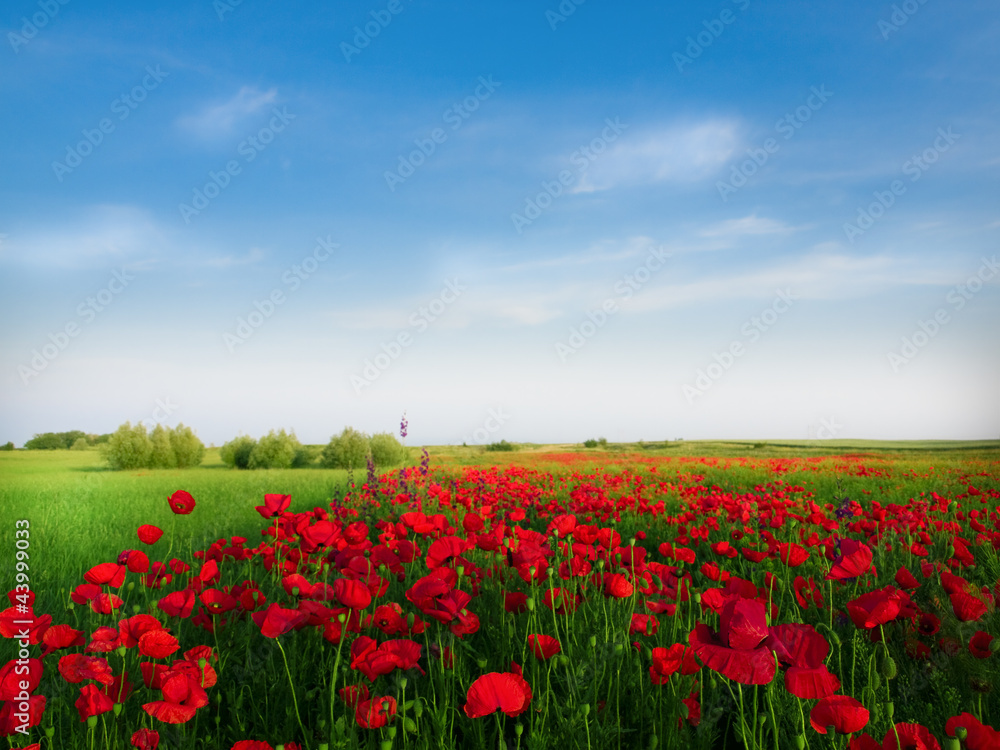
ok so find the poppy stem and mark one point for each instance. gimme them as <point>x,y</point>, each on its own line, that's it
<point>295,700</point>
<point>333,681</point>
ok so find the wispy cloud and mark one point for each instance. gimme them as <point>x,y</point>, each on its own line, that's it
<point>254,255</point>
<point>678,153</point>
<point>752,225</point>
<point>220,120</point>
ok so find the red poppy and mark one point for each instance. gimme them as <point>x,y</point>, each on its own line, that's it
<point>373,660</point>
<point>157,644</point>
<point>106,574</point>
<point>146,739</point>
<point>181,502</point>
<point>875,608</point>
<point>980,736</point>
<point>182,697</point>
<point>737,650</point>
<point>59,637</point>
<point>792,554</point>
<point>966,607</point>
<point>12,675</point>
<point>120,689</point>
<point>135,560</point>
<point>543,646</point>
<point>149,534</point>
<point>906,580</point>
<point>79,667</point>
<point>810,683</point>
<point>503,691</point>
<point>352,695</point>
<point>842,712</point>
<point>92,702</point>
<point>252,745</point>
<point>979,645</point>
<point>10,724</point>
<point>178,603</point>
<point>855,560</point>
<point>910,737</point>
<point>806,590</point>
<point>666,661</point>
<point>515,602</point>
<point>375,712</point>
<point>274,505</point>
<point>276,620</point>
<point>352,594</point>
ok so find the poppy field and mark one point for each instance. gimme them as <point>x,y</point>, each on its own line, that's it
<point>555,601</point>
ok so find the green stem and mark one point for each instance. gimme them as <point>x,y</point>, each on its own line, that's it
<point>295,700</point>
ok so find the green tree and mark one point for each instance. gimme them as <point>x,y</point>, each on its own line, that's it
<point>128,448</point>
<point>161,453</point>
<point>348,450</point>
<point>188,450</point>
<point>276,450</point>
<point>236,453</point>
<point>46,441</point>
<point>386,450</point>
<point>8,446</point>
<point>80,444</point>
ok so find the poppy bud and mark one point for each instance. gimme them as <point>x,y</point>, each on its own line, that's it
<point>530,603</point>
<point>121,651</point>
<point>952,506</point>
<point>549,571</point>
<point>532,570</point>
<point>324,746</point>
<point>70,607</point>
<point>279,747</point>
<point>800,741</point>
<point>91,722</point>
<point>831,730</point>
<point>49,732</point>
<point>835,639</point>
<point>409,725</point>
<point>563,660</point>
<point>951,551</point>
<point>654,742</point>
<point>951,743</point>
<point>481,663</point>
<point>518,729</point>
<point>295,590</point>
<point>460,570</point>
<point>619,648</point>
<point>117,708</point>
<point>593,641</point>
<point>762,719</point>
<point>961,733</point>
<point>685,711</point>
<point>402,682</point>
<point>585,709</point>
<point>418,709</point>
<point>136,608</point>
<point>890,708</point>
<point>218,720</point>
<point>875,682</point>
<point>131,586</point>
<point>888,668</point>
<point>385,745</point>
<point>391,731</point>
<point>696,596</point>
<point>341,618</point>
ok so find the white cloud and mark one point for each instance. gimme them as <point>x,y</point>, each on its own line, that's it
<point>679,153</point>
<point>254,255</point>
<point>748,225</point>
<point>219,120</point>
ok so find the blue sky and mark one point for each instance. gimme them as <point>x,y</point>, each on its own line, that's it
<point>530,221</point>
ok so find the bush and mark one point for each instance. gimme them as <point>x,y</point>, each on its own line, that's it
<point>276,450</point>
<point>80,444</point>
<point>47,441</point>
<point>128,448</point>
<point>188,450</point>
<point>161,454</point>
<point>8,446</point>
<point>236,453</point>
<point>348,450</point>
<point>305,455</point>
<point>503,445</point>
<point>386,450</point>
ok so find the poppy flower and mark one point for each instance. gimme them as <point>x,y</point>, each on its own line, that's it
<point>875,608</point>
<point>106,574</point>
<point>503,691</point>
<point>667,661</point>
<point>274,505</point>
<point>119,690</point>
<point>10,724</point>
<point>375,712</point>
<point>806,590</point>
<point>92,702</point>
<point>617,585</point>
<point>373,660</point>
<point>515,602</point>
<point>352,594</point>
<point>906,580</point>
<point>979,645</point>
<point>543,646</point>
<point>855,560</point>
<point>737,650</point>
<point>966,607</point>
<point>980,736</point>
<point>157,644</point>
<point>910,737</point>
<point>135,560</point>
<point>842,712</point>
<point>12,675</point>
<point>79,667</point>
<point>276,620</point>
<point>149,534</point>
<point>352,695</point>
<point>182,697</point>
<point>792,554</point>
<point>146,739</point>
<point>178,603</point>
<point>252,745</point>
<point>61,636</point>
<point>181,502</point>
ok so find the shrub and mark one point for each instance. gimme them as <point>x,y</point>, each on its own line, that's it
<point>305,455</point>
<point>590,443</point>
<point>161,454</point>
<point>80,444</point>
<point>47,441</point>
<point>128,448</point>
<point>188,450</point>
<point>386,450</point>
<point>276,450</point>
<point>236,453</point>
<point>503,445</point>
<point>348,450</point>
<point>8,446</point>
